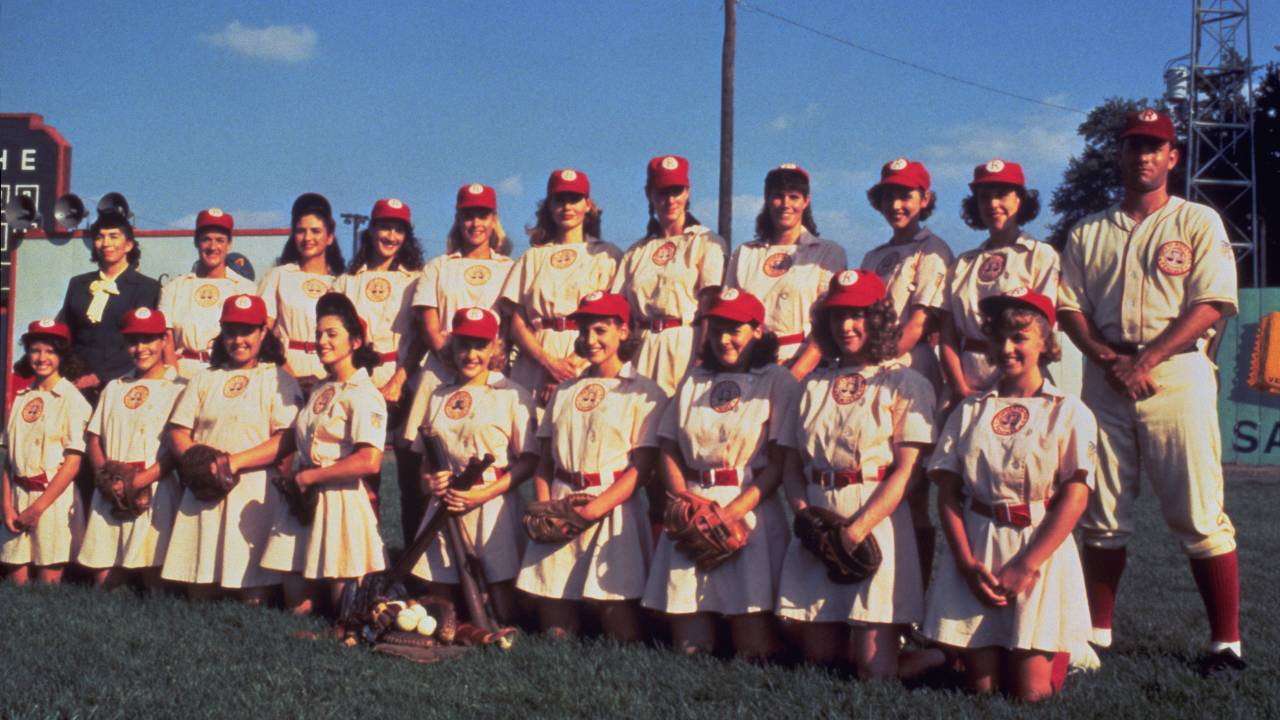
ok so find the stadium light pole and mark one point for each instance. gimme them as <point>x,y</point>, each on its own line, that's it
<point>726,122</point>
<point>355,220</point>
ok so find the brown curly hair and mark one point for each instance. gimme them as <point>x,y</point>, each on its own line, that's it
<point>877,192</point>
<point>881,327</point>
<point>70,365</point>
<point>1028,209</point>
<point>1012,319</point>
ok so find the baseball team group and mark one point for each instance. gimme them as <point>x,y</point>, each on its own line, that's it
<point>790,410</point>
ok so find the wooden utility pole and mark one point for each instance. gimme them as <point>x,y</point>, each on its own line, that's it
<point>726,122</point>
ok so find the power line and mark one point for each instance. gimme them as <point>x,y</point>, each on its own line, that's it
<point>900,61</point>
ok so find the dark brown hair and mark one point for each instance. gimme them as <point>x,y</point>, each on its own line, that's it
<point>332,254</point>
<point>1028,210</point>
<point>408,257</point>
<point>109,221</point>
<point>762,352</point>
<point>271,350</point>
<point>627,349</point>
<point>877,192</point>
<point>783,182</point>
<point>882,331</point>
<point>333,304</point>
<point>70,365</point>
<point>1012,319</point>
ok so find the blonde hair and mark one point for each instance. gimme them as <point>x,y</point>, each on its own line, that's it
<point>1012,319</point>
<point>498,240</point>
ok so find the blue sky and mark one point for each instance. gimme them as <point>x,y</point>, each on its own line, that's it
<point>244,105</point>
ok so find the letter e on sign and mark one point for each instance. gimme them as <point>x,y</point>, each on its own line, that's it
<point>28,160</point>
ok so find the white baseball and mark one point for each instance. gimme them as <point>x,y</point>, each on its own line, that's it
<point>427,625</point>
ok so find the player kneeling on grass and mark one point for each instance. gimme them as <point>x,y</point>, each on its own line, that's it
<point>326,532</point>
<point>1014,466</point>
<point>591,534</point>
<point>43,515</point>
<point>474,413</point>
<point>861,427</point>
<point>726,532</point>
<point>132,513</point>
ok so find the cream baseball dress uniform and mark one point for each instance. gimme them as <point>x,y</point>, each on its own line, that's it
<point>342,541</point>
<point>850,420</point>
<point>661,279</point>
<point>472,420</point>
<point>1013,452</point>
<point>915,275</point>
<point>291,295</point>
<point>130,422</point>
<point>192,308</point>
<point>723,422</point>
<point>593,424</point>
<point>222,542</point>
<point>546,283</point>
<point>44,425</point>
<point>1132,280</point>
<point>983,272</point>
<point>788,279</point>
<point>383,300</point>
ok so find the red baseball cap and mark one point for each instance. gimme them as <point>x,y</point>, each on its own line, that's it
<point>391,209</point>
<point>476,195</point>
<point>1149,123</point>
<point>47,328</point>
<point>777,174</point>
<point>475,322</point>
<point>904,173</point>
<point>1020,297</point>
<point>142,321</point>
<point>998,171</point>
<point>852,288</point>
<point>737,305</point>
<point>667,171</point>
<point>215,218</point>
<point>568,180</point>
<point>604,304</point>
<point>244,309</point>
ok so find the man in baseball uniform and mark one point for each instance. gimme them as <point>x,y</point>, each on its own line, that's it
<point>1143,282</point>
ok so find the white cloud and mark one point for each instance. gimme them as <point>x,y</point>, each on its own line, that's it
<point>243,219</point>
<point>1040,141</point>
<point>782,122</point>
<point>805,117</point>
<point>285,43</point>
<point>511,185</point>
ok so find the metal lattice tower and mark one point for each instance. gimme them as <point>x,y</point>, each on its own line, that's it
<point>1220,155</point>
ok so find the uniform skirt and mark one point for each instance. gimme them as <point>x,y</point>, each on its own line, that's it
<point>494,530</point>
<point>746,583</point>
<point>1053,616</point>
<point>57,534</point>
<point>222,542</point>
<point>341,542</point>
<point>666,356</point>
<point>607,562</point>
<point>139,543</point>
<point>893,595</point>
<point>529,374</point>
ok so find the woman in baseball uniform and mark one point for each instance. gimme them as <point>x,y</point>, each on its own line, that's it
<point>192,302</point>
<point>470,274</point>
<point>306,269</point>
<point>667,273</point>
<point>720,438</point>
<point>128,426</point>
<point>787,266</point>
<point>43,514</point>
<point>565,262</point>
<point>338,436</point>
<point>1009,258</point>
<point>478,412</point>
<point>1014,467</point>
<point>863,425</point>
<point>599,438</point>
<point>243,404</point>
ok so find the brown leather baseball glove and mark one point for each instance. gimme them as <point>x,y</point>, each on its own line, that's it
<point>822,532</point>
<point>206,472</point>
<point>302,502</point>
<point>556,521</point>
<point>115,481</point>
<point>701,531</point>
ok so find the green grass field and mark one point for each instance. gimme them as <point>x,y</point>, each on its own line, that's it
<point>73,652</point>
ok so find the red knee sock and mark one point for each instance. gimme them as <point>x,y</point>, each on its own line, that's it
<point>1058,676</point>
<point>925,541</point>
<point>1218,579</point>
<point>1102,570</point>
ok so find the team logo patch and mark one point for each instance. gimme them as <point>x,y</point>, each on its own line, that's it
<point>1174,258</point>
<point>886,266</point>
<point>670,163</point>
<point>33,410</point>
<point>315,288</point>
<point>323,398</point>
<point>45,323</point>
<point>847,278</point>
<point>208,295</point>
<point>136,396</point>
<point>898,164</point>
<point>729,294</point>
<point>458,405</point>
<point>235,385</point>
<point>244,302</point>
<point>476,275</point>
<point>665,252</point>
<point>142,313</point>
<point>725,396</point>
<point>991,268</point>
<point>394,204</point>
<point>778,264</point>
<point>589,397</point>
<point>378,289</point>
<point>1010,419</point>
<point>561,259</point>
<point>1019,291</point>
<point>214,212</point>
<point>568,175</point>
<point>848,389</point>
<point>475,188</point>
<point>995,166</point>
<point>1147,115</point>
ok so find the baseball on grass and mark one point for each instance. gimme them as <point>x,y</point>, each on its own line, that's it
<point>407,621</point>
<point>427,625</point>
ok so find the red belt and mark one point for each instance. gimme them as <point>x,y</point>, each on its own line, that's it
<point>200,355</point>
<point>1015,514</point>
<point>976,346</point>
<point>844,478</point>
<point>555,323</point>
<point>388,357</point>
<point>32,483</point>
<point>581,481</point>
<point>301,345</point>
<point>659,324</point>
<point>719,477</point>
<point>137,466</point>
<point>791,339</point>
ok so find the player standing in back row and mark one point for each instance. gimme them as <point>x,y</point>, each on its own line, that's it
<point>1142,283</point>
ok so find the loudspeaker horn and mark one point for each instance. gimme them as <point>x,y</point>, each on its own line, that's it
<point>21,214</point>
<point>69,211</point>
<point>114,203</point>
